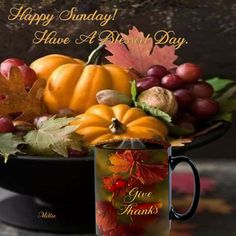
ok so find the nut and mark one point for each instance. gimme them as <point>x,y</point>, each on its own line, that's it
<point>160,98</point>
<point>112,97</point>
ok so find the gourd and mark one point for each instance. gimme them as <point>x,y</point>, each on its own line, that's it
<point>101,123</point>
<point>73,84</point>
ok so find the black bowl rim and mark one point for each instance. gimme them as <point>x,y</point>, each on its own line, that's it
<point>50,159</point>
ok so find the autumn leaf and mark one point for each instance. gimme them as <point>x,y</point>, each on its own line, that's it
<point>132,162</point>
<point>120,163</point>
<point>54,136</point>
<point>124,160</point>
<point>106,216</point>
<point>151,173</point>
<point>183,183</point>
<point>9,145</point>
<point>18,100</point>
<point>139,52</point>
<point>133,181</point>
<point>212,205</point>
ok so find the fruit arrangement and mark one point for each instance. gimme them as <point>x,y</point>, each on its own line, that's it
<point>61,105</point>
<point>179,92</point>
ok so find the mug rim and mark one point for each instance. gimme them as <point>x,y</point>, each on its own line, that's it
<point>162,144</point>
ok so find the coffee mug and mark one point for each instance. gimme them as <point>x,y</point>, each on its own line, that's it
<point>133,188</point>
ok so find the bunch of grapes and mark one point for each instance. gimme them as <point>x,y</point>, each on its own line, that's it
<point>193,95</point>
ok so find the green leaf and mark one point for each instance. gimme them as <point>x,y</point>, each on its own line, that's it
<point>154,111</point>
<point>228,105</point>
<point>223,116</point>
<point>134,91</point>
<point>219,84</point>
<point>179,131</point>
<point>55,135</point>
<point>9,145</point>
<point>227,95</point>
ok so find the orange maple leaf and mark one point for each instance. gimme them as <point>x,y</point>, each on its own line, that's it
<point>140,53</point>
<point>120,164</point>
<point>132,162</point>
<point>124,160</point>
<point>17,100</point>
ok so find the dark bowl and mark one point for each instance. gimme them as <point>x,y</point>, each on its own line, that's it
<point>51,179</point>
<point>59,186</point>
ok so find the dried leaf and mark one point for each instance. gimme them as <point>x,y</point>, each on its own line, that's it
<point>183,183</point>
<point>9,145</point>
<point>140,53</point>
<point>212,205</point>
<point>106,216</point>
<point>120,163</point>
<point>53,136</point>
<point>149,174</point>
<point>123,161</point>
<point>18,100</point>
<point>132,162</point>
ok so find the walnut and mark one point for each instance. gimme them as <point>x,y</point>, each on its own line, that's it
<point>160,98</point>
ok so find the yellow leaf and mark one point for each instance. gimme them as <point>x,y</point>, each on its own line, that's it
<point>18,100</point>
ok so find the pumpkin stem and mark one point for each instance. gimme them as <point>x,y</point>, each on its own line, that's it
<point>95,56</point>
<point>117,127</point>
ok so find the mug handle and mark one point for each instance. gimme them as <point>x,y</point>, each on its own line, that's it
<point>174,161</point>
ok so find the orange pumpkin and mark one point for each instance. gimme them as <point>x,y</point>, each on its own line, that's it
<point>102,123</point>
<point>73,84</point>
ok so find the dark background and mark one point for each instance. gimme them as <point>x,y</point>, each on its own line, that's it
<point>209,27</point>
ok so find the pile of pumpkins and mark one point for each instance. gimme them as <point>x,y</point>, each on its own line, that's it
<point>73,84</point>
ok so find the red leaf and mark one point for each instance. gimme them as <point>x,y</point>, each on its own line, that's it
<point>122,161</point>
<point>134,182</point>
<point>140,53</point>
<point>106,216</point>
<point>151,173</point>
<point>183,183</point>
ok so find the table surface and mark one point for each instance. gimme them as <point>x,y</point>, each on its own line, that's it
<point>217,206</point>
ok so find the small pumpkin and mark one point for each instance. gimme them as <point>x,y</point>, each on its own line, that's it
<point>73,84</point>
<point>102,123</point>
